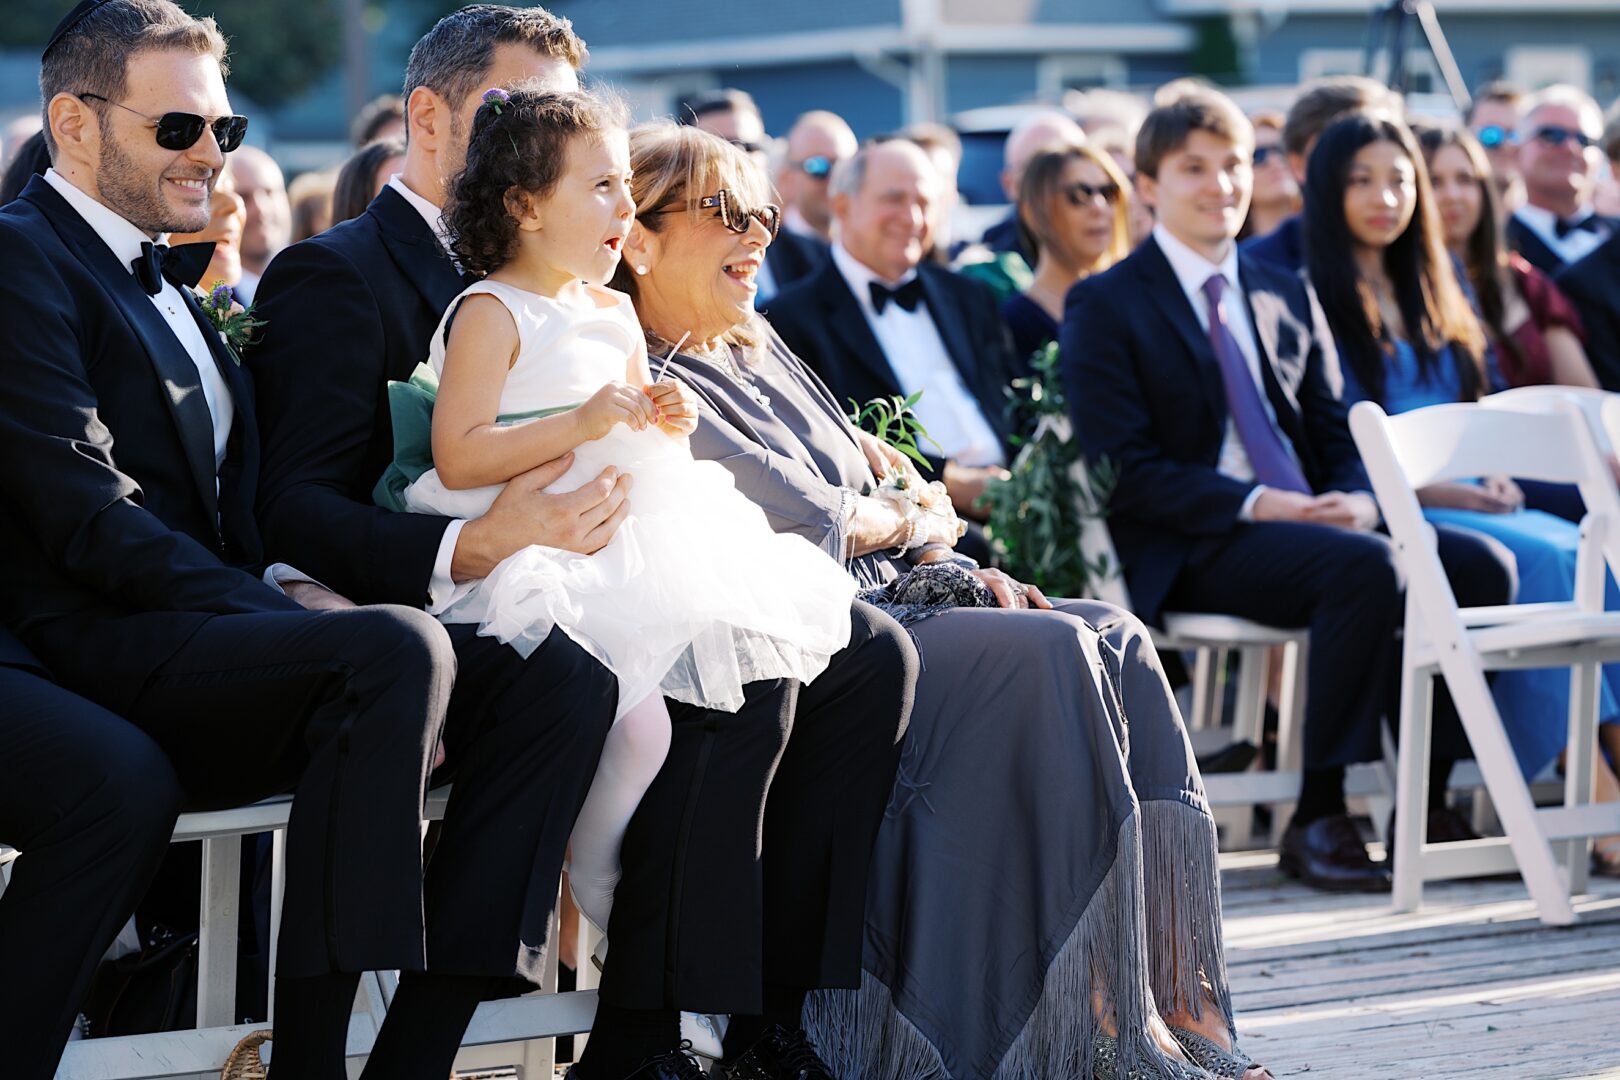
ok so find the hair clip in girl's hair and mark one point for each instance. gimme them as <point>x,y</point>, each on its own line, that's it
<point>495,98</point>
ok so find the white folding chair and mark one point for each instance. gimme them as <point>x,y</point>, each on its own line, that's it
<point>1211,638</point>
<point>1457,442</point>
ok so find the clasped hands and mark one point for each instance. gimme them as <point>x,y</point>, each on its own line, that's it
<point>1343,509</point>
<point>666,405</point>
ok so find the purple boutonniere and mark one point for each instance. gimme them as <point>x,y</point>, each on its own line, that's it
<point>234,323</point>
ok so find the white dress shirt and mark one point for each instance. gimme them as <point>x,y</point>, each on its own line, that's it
<point>125,240</point>
<point>248,287</point>
<point>1572,248</point>
<point>442,588</point>
<point>915,350</point>
<point>1192,270</point>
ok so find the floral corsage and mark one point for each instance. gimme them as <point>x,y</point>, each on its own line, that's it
<point>924,504</point>
<point>234,323</point>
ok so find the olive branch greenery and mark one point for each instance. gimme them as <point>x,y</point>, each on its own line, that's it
<point>892,420</point>
<point>1038,514</point>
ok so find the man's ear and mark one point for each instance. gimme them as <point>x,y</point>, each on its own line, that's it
<point>1296,165</point>
<point>75,127</point>
<point>427,119</point>
<point>1147,188</point>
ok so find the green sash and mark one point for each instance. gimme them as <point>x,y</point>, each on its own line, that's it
<point>410,406</point>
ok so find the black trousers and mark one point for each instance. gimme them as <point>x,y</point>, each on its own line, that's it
<point>91,803</point>
<point>746,863</point>
<point>1343,586</point>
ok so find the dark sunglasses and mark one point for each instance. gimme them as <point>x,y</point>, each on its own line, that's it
<point>1263,154</point>
<point>733,215</point>
<point>1493,135</point>
<point>1080,194</point>
<point>818,166</point>
<point>181,130</point>
<point>1554,135</point>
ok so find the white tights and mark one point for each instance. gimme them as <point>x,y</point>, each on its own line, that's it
<point>634,752</point>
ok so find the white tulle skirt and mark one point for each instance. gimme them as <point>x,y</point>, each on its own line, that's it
<point>694,596</point>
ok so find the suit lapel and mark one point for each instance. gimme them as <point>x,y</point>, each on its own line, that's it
<point>416,250</point>
<point>172,365</point>
<point>1534,249</point>
<point>1161,283</point>
<point>848,320</point>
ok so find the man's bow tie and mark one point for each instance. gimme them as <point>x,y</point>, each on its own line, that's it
<point>1564,226</point>
<point>908,296</point>
<point>183,265</point>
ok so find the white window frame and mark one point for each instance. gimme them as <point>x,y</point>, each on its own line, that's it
<point>1536,66</point>
<point>1052,73</point>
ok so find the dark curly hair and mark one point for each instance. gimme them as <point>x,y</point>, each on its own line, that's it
<point>519,145</point>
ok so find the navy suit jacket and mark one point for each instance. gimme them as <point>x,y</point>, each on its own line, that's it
<point>1145,392</point>
<point>345,312</point>
<point>1282,247</point>
<point>118,545</point>
<point>1593,284</point>
<point>1527,242</point>
<point>823,324</point>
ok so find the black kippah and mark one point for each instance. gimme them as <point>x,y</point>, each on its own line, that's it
<point>80,12</point>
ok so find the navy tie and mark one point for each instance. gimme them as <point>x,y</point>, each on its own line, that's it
<point>1273,465</point>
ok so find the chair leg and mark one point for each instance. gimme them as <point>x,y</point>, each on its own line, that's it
<point>1290,728</point>
<point>1511,794</point>
<point>216,939</point>
<point>1203,691</point>
<point>278,890</point>
<point>1580,762</point>
<point>1412,784</point>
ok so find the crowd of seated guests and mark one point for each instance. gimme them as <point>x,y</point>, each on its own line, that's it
<point>1222,288</point>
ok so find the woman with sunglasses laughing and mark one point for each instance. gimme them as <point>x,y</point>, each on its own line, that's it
<point>1073,214</point>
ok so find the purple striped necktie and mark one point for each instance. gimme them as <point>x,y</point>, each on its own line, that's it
<point>1273,465</point>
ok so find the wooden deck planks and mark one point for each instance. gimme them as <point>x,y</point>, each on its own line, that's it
<point>1472,985</point>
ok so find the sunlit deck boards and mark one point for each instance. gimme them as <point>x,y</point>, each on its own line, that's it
<point>1470,986</point>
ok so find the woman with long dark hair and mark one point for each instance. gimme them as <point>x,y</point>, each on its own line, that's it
<point>1408,338</point>
<point>1534,328</point>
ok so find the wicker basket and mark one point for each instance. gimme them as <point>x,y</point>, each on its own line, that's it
<point>245,1062</point>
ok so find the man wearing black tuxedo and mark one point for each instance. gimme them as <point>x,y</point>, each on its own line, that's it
<point>1559,160</point>
<point>1209,379</point>
<point>132,453</point>
<point>91,802</point>
<point>703,921</point>
<point>1594,285</point>
<point>879,320</point>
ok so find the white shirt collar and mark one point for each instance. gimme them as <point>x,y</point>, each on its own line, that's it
<point>1191,268</point>
<point>433,215</point>
<point>122,237</point>
<point>860,276</point>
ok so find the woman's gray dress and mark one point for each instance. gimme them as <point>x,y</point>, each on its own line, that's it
<point>1047,846</point>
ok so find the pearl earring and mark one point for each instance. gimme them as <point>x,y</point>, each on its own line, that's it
<point>641,269</point>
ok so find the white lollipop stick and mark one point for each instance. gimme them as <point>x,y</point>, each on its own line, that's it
<point>673,350</point>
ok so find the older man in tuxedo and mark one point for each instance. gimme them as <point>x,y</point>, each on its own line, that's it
<point>1559,160</point>
<point>878,320</point>
<point>346,312</point>
<point>130,536</point>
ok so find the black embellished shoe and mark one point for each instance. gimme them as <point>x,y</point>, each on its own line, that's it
<point>780,1054</point>
<point>677,1064</point>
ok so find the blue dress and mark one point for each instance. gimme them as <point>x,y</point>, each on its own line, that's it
<point>1534,703</point>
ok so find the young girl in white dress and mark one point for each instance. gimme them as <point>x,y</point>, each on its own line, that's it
<point>695,595</point>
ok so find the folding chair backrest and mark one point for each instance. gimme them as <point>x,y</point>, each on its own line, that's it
<point>1609,418</point>
<point>1545,399</point>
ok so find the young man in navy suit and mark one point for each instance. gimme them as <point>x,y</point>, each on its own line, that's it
<point>1209,380</point>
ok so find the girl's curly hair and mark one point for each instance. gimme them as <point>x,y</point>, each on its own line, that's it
<point>518,147</point>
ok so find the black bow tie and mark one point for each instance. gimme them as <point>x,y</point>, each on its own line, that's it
<point>1564,226</point>
<point>908,296</point>
<point>183,265</point>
